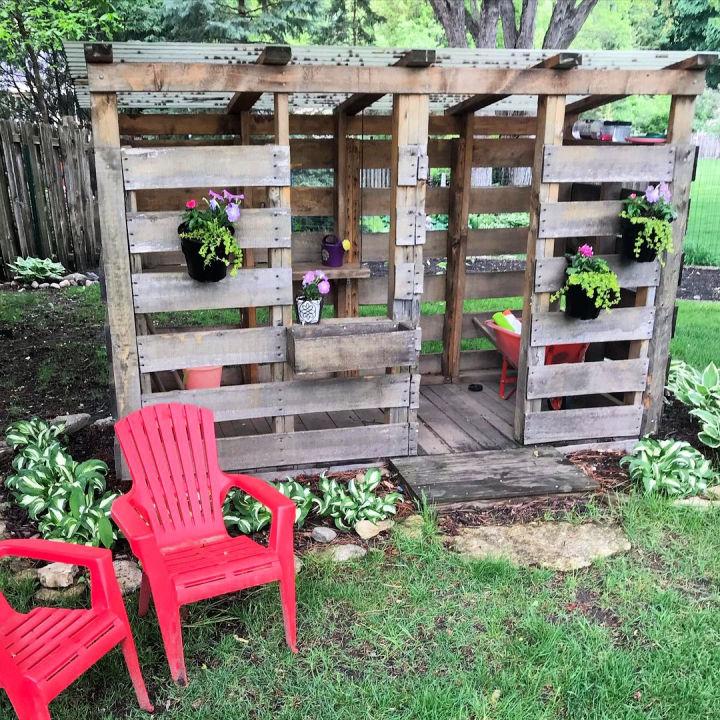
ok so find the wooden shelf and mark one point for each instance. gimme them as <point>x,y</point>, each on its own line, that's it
<point>349,271</point>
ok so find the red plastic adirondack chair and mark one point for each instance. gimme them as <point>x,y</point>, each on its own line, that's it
<point>173,520</point>
<point>47,649</point>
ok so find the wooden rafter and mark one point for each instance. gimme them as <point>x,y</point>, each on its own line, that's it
<point>359,101</point>
<point>271,55</point>
<point>560,61</point>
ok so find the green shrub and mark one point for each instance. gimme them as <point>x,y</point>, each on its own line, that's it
<point>32,432</point>
<point>701,392</point>
<point>32,269</point>
<point>672,467</point>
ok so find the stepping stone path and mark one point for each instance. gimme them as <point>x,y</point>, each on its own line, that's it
<point>557,546</point>
<point>698,503</point>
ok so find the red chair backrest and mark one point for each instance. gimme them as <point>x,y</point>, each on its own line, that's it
<point>171,452</point>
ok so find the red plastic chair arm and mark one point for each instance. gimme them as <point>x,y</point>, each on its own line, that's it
<point>130,520</point>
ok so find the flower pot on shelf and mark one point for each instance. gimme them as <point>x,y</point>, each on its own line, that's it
<point>208,376</point>
<point>332,252</point>
<point>214,271</point>
<point>308,311</point>
<point>629,235</point>
<point>579,305</point>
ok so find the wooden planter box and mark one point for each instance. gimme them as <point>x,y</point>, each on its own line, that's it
<point>352,344</point>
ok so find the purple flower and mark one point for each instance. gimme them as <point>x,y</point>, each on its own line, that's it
<point>233,212</point>
<point>320,275</point>
<point>214,204</point>
<point>585,250</point>
<point>308,277</point>
<point>229,196</point>
<point>652,194</point>
<point>215,195</point>
<point>664,191</point>
<point>324,287</point>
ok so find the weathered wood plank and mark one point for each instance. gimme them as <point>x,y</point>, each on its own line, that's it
<point>155,232</point>
<point>160,292</point>
<point>369,442</point>
<point>579,219</point>
<point>209,166</point>
<point>615,163</point>
<point>556,328</point>
<point>295,397</point>
<point>175,350</point>
<point>597,422</point>
<point>550,272</point>
<point>545,381</point>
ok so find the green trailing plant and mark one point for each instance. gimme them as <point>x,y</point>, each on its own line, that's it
<point>594,276</point>
<point>672,467</point>
<point>700,390</point>
<point>31,269</point>
<point>652,214</point>
<point>358,501</point>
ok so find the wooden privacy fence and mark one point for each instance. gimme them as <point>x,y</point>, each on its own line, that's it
<point>47,206</point>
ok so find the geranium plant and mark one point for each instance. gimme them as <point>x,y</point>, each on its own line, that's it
<point>209,226</point>
<point>590,285</point>
<point>315,285</point>
<point>647,219</point>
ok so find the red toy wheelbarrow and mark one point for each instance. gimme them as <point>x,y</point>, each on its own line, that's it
<point>508,345</point>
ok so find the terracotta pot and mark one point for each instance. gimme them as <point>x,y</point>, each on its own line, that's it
<point>309,312</point>
<point>579,305</point>
<point>197,269</point>
<point>629,236</point>
<point>208,376</point>
<point>332,252</point>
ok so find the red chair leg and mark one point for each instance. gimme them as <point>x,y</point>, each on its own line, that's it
<point>28,707</point>
<point>144,598</point>
<point>171,631</point>
<point>287,597</point>
<point>133,666</point>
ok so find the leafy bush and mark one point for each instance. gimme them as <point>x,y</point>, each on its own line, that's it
<point>672,467</point>
<point>700,391</point>
<point>68,499</point>
<point>29,269</point>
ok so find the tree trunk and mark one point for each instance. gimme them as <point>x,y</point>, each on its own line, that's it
<point>451,15</point>
<point>566,21</point>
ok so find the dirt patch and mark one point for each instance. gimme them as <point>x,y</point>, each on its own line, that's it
<point>700,283</point>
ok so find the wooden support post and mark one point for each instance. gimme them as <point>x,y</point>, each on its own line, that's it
<point>407,211</point>
<point>682,110</point>
<point>550,118</point>
<point>281,257</point>
<point>276,55</point>
<point>115,253</point>
<point>457,238</point>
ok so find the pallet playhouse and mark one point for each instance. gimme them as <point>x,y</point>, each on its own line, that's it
<point>172,120</point>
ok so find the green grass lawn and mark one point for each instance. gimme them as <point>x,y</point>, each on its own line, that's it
<point>702,243</point>
<point>413,632</point>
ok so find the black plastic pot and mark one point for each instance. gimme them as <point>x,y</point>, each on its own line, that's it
<point>214,271</point>
<point>629,234</point>
<point>579,305</point>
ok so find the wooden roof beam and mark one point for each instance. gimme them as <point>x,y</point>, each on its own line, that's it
<point>560,61</point>
<point>271,55</point>
<point>701,61</point>
<point>411,59</point>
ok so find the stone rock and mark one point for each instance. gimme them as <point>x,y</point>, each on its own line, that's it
<point>104,422</point>
<point>558,546</point>
<point>92,276</point>
<point>411,526</point>
<point>34,284</point>
<point>129,576</point>
<point>344,553</point>
<point>57,575</point>
<point>26,574</point>
<point>53,597</point>
<point>73,423</point>
<point>713,492</point>
<point>298,564</point>
<point>5,449</point>
<point>323,534</point>
<point>74,278</point>
<point>42,286</point>
<point>697,503</point>
<point>366,529</point>
<point>64,283</point>
<point>55,286</point>
<point>3,529</point>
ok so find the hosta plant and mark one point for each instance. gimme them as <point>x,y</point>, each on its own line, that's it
<point>347,505</point>
<point>32,269</point>
<point>701,392</point>
<point>672,467</point>
<point>32,432</point>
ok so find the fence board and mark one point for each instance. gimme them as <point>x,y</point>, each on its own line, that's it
<point>315,446</point>
<point>209,166</point>
<point>579,219</point>
<point>633,323</point>
<point>175,350</point>
<point>586,423</point>
<point>156,232</point>
<point>161,292</point>
<point>295,397</point>
<point>550,272</point>
<point>597,163</point>
<point>545,381</point>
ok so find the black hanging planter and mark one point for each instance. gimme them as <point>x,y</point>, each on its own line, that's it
<point>214,271</point>
<point>579,305</point>
<point>629,234</point>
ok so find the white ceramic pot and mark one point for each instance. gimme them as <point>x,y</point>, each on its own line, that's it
<point>308,311</point>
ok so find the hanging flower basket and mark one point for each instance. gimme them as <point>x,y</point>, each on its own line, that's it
<point>198,269</point>
<point>645,224</point>
<point>579,304</point>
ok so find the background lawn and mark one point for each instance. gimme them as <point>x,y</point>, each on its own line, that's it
<point>702,243</point>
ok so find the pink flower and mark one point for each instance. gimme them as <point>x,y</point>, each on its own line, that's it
<point>233,212</point>
<point>308,277</point>
<point>652,194</point>
<point>585,250</point>
<point>190,204</point>
<point>229,196</point>
<point>633,196</point>
<point>664,190</point>
<point>324,287</point>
